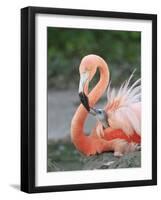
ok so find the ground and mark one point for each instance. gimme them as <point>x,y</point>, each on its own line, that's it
<point>63,156</point>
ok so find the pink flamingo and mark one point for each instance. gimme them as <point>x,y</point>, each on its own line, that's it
<point>118,128</point>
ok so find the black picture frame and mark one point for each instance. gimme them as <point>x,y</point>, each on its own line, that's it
<point>28,98</point>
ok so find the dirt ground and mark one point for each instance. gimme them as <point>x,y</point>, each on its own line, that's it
<point>63,156</point>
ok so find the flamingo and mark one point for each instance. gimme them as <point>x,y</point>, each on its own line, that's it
<point>118,127</point>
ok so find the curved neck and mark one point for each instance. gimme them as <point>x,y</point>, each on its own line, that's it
<point>80,116</point>
<point>102,84</point>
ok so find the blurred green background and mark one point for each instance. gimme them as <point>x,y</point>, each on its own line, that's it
<point>66,48</point>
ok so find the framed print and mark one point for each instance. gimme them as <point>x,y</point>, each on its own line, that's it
<point>88,99</point>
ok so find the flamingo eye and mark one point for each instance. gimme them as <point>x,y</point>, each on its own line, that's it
<point>100,112</point>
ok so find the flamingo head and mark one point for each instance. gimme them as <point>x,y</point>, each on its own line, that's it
<point>87,70</point>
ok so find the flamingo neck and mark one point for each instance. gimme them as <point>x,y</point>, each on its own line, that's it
<point>77,128</point>
<point>101,86</point>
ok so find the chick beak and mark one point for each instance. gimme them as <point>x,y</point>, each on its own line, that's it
<point>93,111</point>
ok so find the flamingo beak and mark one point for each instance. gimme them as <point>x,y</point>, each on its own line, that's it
<point>82,95</point>
<point>84,100</point>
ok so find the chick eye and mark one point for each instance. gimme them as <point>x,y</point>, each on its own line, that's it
<point>99,112</point>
